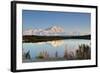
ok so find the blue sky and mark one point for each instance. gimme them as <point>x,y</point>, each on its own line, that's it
<point>69,21</point>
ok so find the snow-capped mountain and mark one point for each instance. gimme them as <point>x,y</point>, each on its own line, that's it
<point>54,30</point>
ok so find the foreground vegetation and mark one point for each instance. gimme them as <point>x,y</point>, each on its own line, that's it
<point>83,52</point>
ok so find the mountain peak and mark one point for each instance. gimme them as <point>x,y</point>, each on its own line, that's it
<point>54,30</point>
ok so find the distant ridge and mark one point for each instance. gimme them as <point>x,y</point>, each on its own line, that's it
<point>36,38</point>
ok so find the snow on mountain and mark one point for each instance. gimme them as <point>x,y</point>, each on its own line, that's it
<point>54,30</point>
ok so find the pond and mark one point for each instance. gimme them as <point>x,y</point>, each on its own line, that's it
<point>57,50</point>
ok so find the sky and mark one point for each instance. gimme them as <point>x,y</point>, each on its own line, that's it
<point>69,21</point>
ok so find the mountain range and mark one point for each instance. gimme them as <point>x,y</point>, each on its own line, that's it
<point>51,31</point>
<point>54,30</point>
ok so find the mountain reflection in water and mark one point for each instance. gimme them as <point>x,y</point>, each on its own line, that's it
<point>54,43</point>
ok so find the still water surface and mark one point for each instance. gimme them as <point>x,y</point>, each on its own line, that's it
<point>54,48</point>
